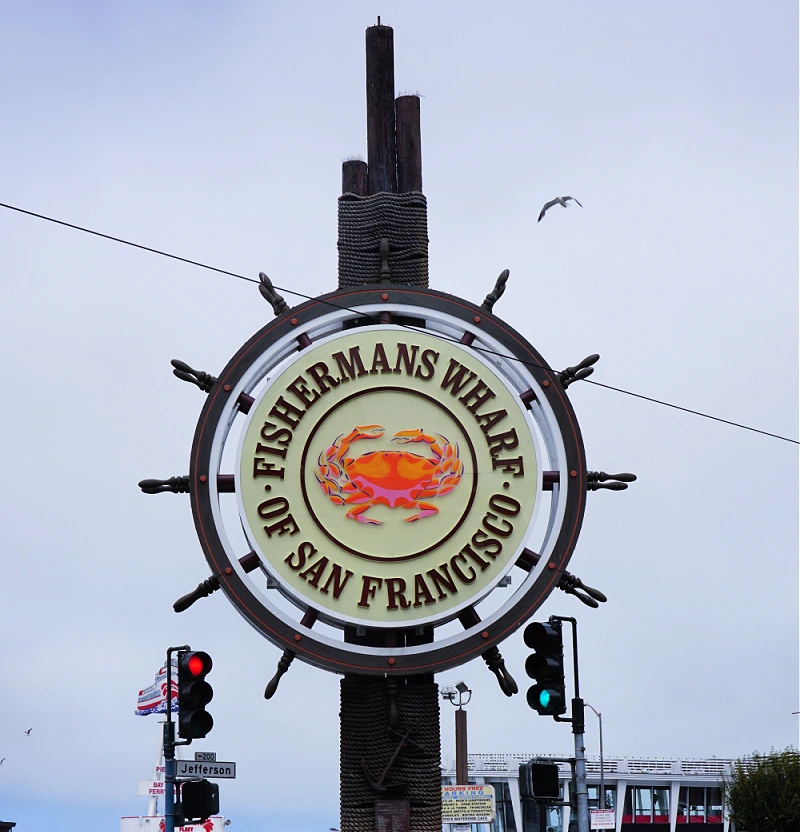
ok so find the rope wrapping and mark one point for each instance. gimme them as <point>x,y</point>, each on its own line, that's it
<point>415,774</point>
<point>402,219</point>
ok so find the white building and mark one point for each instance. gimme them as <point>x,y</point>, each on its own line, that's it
<point>641,790</point>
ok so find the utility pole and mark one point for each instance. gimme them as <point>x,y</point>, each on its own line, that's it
<point>602,778</point>
<point>578,727</point>
<point>152,809</point>
<point>169,748</point>
<point>462,765</point>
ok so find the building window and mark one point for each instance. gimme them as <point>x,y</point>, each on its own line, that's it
<point>627,809</point>
<point>683,809</point>
<point>644,805</point>
<point>697,804</point>
<point>714,804</point>
<point>594,796</point>
<point>553,819</point>
<point>504,810</point>
<point>660,805</point>
<point>700,805</point>
<point>542,818</point>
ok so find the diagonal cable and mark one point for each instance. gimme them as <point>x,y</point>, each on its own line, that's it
<point>406,326</point>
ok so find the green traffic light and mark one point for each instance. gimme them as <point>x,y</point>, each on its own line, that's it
<point>544,698</point>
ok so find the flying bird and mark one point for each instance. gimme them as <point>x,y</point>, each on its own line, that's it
<point>559,200</point>
<point>28,732</point>
<point>2,761</point>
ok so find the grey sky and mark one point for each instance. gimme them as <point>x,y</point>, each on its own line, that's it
<point>217,132</point>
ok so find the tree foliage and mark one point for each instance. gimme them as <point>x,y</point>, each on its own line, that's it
<point>763,792</point>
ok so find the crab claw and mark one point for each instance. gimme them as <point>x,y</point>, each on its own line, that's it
<point>405,436</point>
<point>368,432</point>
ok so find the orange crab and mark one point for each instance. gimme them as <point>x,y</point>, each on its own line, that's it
<point>397,479</point>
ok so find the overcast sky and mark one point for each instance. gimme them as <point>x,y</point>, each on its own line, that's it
<point>216,131</point>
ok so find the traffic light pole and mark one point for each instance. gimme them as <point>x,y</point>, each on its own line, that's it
<point>578,727</point>
<point>169,748</point>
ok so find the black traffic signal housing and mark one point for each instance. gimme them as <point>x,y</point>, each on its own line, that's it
<point>546,667</point>
<point>539,781</point>
<point>199,801</point>
<point>194,693</point>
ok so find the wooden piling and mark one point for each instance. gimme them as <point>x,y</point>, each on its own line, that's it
<point>381,148</point>
<point>409,144</point>
<point>354,177</point>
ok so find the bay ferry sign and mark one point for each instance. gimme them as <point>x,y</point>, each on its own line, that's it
<point>388,459</point>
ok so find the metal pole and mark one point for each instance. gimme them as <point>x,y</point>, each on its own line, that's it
<point>152,810</point>
<point>581,791</point>
<point>602,779</point>
<point>169,748</point>
<point>169,776</point>
<point>602,770</point>
<point>578,721</point>
<point>461,747</point>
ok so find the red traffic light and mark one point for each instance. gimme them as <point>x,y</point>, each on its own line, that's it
<point>194,693</point>
<point>196,664</point>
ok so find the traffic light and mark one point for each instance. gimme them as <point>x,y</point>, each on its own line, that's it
<point>199,800</point>
<point>194,693</point>
<point>539,781</point>
<point>546,667</point>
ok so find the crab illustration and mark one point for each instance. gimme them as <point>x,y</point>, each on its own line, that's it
<point>397,479</point>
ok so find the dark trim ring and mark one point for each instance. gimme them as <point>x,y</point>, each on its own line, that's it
<point>382,660</point>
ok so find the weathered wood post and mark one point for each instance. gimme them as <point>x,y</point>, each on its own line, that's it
<point>390,746</point>
<point>381,148</point>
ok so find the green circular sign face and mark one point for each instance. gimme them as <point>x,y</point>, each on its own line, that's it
<point>387,477</point>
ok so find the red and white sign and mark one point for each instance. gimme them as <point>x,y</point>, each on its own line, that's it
<point>151,788</point>
<point>155,823</point>
<point>602,819</point>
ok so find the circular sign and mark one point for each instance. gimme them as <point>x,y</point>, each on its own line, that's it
<point>387,477</point>
<point>387,480</point>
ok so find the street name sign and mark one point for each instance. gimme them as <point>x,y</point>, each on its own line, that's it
<point>198,768</point>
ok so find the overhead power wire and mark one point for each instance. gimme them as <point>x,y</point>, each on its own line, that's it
<point>406,326</point>
<point>126,242</point>
<point>689,410</point>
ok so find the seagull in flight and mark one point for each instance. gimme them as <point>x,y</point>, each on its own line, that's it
<point>28,732</point>
<point>559,200</point>
<point>2,761</point>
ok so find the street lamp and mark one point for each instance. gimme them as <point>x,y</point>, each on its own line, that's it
<point>455,695</point>
<point>602,781</point>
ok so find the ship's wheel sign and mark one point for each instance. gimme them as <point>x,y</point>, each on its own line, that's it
<point>394,457</point>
